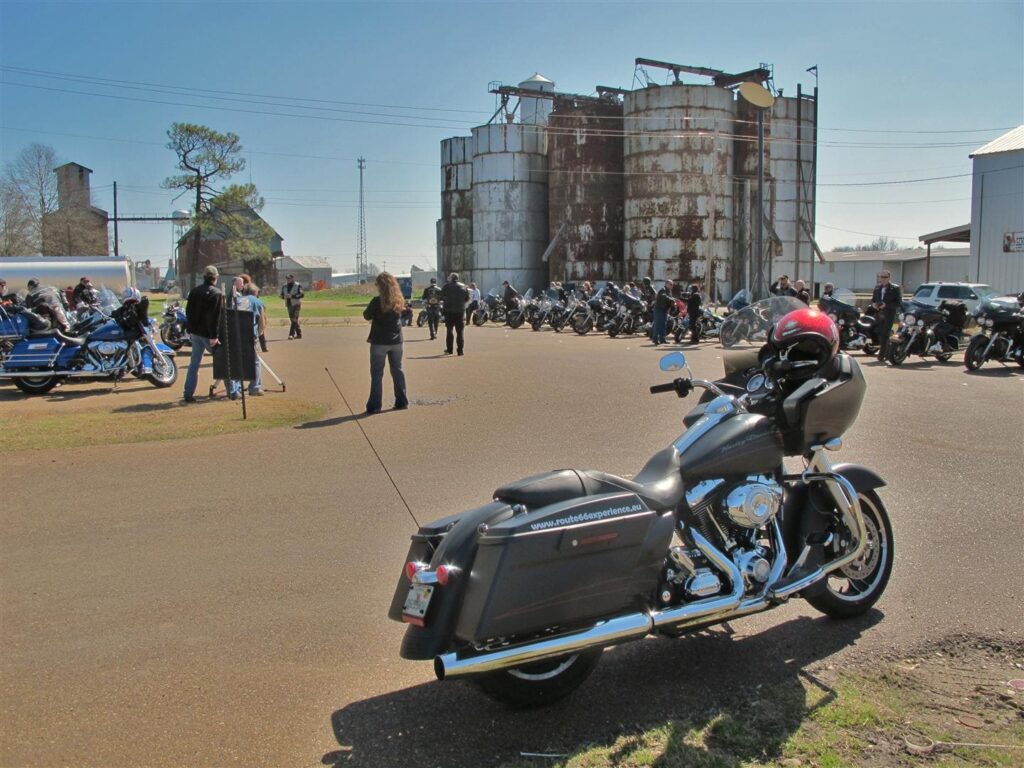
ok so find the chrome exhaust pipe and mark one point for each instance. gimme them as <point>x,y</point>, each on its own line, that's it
<point>43,374</point>
<point>617,630</point>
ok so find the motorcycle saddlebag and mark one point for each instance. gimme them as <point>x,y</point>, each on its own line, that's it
<point>34,352</point>
<point>564,565</point>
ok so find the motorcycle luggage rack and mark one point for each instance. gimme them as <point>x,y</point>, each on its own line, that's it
<point>20,359</point>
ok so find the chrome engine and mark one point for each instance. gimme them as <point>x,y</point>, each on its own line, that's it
<point>107,355</point>
<point>755,504</point>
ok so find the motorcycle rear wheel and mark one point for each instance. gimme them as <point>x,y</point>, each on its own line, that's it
<point>974,357</point>
<point>479,318</point>
<point>166,339</point>
<point>539,684</point>
<point>852,590</point>
<point>37,385</point>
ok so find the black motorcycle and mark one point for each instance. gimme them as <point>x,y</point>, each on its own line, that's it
<point>1000,335</point>
<point>844,313</point>
<point>491,308</point>
<point>928,331</point>
<point>631,315</point>
<point>522,594</point>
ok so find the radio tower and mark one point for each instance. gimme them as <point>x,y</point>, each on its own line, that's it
<point>361,262</point>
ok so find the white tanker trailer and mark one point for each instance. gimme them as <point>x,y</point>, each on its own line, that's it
<point>111,272</point>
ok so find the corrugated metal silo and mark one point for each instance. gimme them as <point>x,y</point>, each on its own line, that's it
<point>585,190</point>
<point>455,227</point>
<point>678,186</point>
<point>510,205</point>
<point>792,173</point>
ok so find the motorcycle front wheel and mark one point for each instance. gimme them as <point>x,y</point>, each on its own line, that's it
<point>421,319</point>
<point>898,352</point>
<point>516,320</point>
<point>583,325</point>
<point>165,337</point>
<point>542,683</point>
<point>729,336</point>
<point>479,318</point>
<point>165,372</point>
<point>852,590</point>
<point>974,357</point>
<point>36,385</point>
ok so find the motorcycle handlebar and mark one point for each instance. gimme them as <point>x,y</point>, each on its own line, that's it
<point>682,387</point>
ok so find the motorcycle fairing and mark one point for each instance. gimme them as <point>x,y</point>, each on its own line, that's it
<point>564,565</point>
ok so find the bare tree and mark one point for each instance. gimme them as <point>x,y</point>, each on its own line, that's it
<point>15,223</point>
<point>30,177</point>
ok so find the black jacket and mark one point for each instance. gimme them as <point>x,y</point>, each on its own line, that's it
<point>663,302</point>
<point>804,296</point>
<point>385,327</point>
<point>203,310</point>
<point>693,304</point>
<point>432,297</point>
<point>133,314</point>
<point>778,290</point>
<point>890,297</point>
<point>455,297</point>
<point>510,295</point>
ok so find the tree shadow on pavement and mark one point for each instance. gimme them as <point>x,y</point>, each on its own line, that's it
<point>153,407</point>
<point>747,692</point>
<point>334,421</point>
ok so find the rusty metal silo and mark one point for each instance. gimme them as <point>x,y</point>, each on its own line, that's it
<point>455,227</point>
<point>678,182</point>
<point>585,189</point>
<point>510,205</point>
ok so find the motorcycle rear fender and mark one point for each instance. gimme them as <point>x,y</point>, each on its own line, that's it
<point>453,541</point>
<point>165,349</point>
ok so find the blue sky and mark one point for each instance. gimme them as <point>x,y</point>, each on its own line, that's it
<point>936,79</point>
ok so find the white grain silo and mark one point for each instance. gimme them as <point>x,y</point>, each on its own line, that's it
<point>535,111</point>
<point>790,192</point>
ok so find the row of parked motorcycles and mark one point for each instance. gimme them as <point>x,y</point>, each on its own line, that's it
<point>608,310</point>
<point>921,330</point>
<point>39,351</point>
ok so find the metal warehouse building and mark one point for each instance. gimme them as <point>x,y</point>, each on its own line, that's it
<point>997,213</point>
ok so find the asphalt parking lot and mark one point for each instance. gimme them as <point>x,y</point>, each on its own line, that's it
<point>222,600</point>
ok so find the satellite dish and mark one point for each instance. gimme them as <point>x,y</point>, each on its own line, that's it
<point>181,217</point>
<point>757,95</point>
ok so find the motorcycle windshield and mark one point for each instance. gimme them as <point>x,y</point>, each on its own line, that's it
<point>740,300</point>
<point>752,323</point>
<point>840,300</point>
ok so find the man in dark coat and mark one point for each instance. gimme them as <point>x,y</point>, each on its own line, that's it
<point>694,313</point>
<point>781,287</point>
<point>432,306</point>
<point>887,298</point>
<point>455,297</point>
<point>292,294</point>
<point>203,315</point>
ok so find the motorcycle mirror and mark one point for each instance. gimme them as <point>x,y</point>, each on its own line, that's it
<point>674,361</point>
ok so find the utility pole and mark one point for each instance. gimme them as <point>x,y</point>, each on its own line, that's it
<point>362,265</point>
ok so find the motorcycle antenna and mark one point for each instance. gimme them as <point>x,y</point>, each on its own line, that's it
<point>368,442</point>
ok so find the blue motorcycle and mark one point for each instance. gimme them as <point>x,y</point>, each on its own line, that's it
<point>105,349</point>
<point>174,329</point>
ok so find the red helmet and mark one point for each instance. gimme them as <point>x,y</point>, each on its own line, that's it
<point>806,334</point>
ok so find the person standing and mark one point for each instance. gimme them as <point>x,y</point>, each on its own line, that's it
<point>781,287</point>
<point>244,298</point>
<point>292,294</point>
<point>801,292</point>
<point>474,302</point>
<point>455,296</point>
<point>662,304</point>
<point>887,298</point>
<point>432,304</point>
<point>510,296</point>
<point>694,313</point>
<point>202,315</point>
<point>384,313</point>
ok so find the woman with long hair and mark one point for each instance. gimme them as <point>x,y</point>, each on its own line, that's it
<point>384,313</point>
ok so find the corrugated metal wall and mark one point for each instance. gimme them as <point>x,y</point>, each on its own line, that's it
<point>997,208</point>
<point>455,227</point>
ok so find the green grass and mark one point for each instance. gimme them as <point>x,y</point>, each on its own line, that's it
<point>858,717</point>
<point>336,302</point>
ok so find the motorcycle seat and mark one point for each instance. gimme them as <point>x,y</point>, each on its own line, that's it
<point>659,484</point>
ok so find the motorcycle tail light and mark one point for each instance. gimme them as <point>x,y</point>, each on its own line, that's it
<point>412,568</point>
<point>445,574</point>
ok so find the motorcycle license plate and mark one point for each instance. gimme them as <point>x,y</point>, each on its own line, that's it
<point>416,603</point>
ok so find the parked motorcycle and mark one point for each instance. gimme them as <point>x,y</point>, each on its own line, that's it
<point>523,310</point>
<point>928,331</point>
<point>841,307</point>
<point>630,316</point>
<point>547,311</point>
<point>491,308</point>
<point>1000,335</point>
<point>753,322</point>
<point>522,594</point>
<point>598,312</point>
<point>174,328</point>
<point>106,350</point>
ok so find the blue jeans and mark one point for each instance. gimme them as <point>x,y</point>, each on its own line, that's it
<point>393,354</point>
<point>199,346</point>
<point>660,323</point>
<point>256,385</point>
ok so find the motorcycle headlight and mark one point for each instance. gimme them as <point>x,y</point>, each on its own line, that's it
<point>920,322</point>
<point>908,319</point>
<point>989,322</point>
<point>832,316</point>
